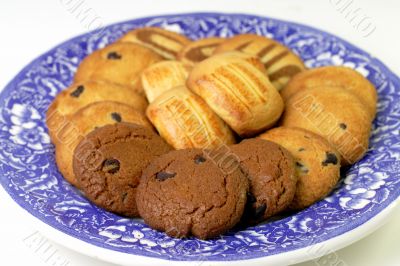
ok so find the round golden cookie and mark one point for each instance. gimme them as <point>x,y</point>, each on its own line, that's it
<point>78,95</point>
<point>337,76</point>
<point>119,63</point>
<point>281,63</point>
<point>184,120</point>
<point>164,42</point>
<point>235,86</point>
<point>199,50</point>
<point>84,121</point>
<point>317,163</point>
<point>162,76</point>
<point>336,114</point>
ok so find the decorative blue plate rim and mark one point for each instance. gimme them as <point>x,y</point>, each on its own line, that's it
<point>359,200</point>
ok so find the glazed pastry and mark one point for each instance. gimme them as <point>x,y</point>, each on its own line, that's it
<point>109,161</point>
<point>271,172</point>
<point>163,76</point>
<point>336,114</point>
<point>84,121</point>
<point>186,193</point>
<point>184,120</point>
<point>235,86</point>
<point>79,95</point>
<point>120,63</point>
<point>199,50</point>
<point>317,163</point>
<point>164,42</point>
<point>281,63</point>
<point>334,76</point>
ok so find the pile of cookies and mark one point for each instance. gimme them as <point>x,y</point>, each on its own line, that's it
<point>196,137</point>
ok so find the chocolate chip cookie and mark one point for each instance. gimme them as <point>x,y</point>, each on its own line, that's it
<point>317,163</point>
<point>109,162</point>
<point>186,192</point>
<point>272,175</point>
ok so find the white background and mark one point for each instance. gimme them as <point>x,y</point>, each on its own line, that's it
<point>29,28</point>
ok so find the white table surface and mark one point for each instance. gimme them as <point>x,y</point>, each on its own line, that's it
<point>29,28</point>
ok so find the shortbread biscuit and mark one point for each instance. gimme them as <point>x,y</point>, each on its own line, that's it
<point>235,86</point>
<point>184,120</point>
<point>281,63</point>
<point>199,50</point>
<point>338,76</point>
<point>336,114</point>
<point>163,76</point>
<point>164,42</point>
<point>317,163</point>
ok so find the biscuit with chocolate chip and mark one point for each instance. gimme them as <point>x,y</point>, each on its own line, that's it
<point>317,163</point>
<point>108,164</point>
<point>192,192</point>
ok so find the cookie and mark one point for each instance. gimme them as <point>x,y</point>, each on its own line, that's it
<point>84,121</point>
<point>336,114</point>
<point>79,95</point>
<point>109,161</point>
<point>272,176</point>
<point>163,76</point>
<point>186,192</point>
<point>335,76</point>
<point>184,120</point>
<point>281,63</point>
<point>236,88</point>
<point>199,50</point>
<point>164,42</point>
<point>120,63</point>
<point>317,163</point>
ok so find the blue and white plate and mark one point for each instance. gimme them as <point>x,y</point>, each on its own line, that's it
<point>361,202</point>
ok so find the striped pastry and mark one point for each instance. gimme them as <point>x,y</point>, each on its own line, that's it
<point>199,50</point>
<point>163,76</point>
<point>237,88</point>
<point>280,62</point>
<point>185,121</point>
<point>164,42</point>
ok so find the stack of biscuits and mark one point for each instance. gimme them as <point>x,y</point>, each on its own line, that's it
<point>197,137</point>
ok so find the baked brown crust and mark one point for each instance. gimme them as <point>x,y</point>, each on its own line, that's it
<point>84,121</point>
<point>186,192</point>
<point>317,163</point>
<point>119,63</point>
<point>79,95</point>
<point>334,76</point>
<point>164,42</point>
<point>281,63</point>
<point>199,50</point>
<point>184,120</point>
<point>163,76</point>
<point>335,114</point>
<point>235,86</point>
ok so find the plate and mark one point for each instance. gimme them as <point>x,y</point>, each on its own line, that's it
<point>365,196</point>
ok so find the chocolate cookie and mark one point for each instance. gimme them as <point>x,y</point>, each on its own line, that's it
<point>199,50</point>
<point>164,42</point>
<point>119,63</point>
<point>272,175</point>
<point>109,162</point>
<point>186,192</point>
<point>79,95</point>
<point>317,163</point>
<point>84,121</point>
